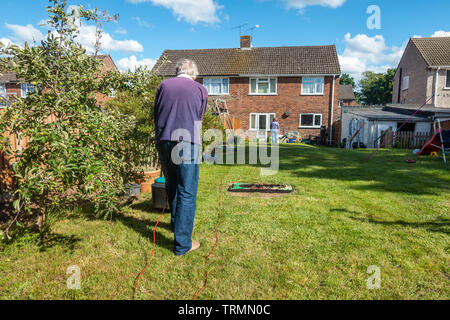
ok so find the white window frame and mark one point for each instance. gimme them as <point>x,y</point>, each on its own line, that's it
<point>26,88</point>
<point>223,93</point>
<point>261,79</point>
<point>268,114</point>
<point>447,78</point>
<point>405,84</point>
<point>3,94</point>
<point>314,120</point>
<point>304,79</point>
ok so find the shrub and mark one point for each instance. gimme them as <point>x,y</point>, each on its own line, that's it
<point>76,152</point>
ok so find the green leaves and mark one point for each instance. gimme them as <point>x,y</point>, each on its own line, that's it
<point>71,151</point>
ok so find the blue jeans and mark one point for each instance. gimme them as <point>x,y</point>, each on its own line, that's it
<point>275,133</point>
<point>181,166</point>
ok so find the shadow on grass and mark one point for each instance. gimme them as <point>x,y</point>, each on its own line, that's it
<point>51,240</point>
<point>386,171</point>
<point>441,225</point>
<point>145,227</point>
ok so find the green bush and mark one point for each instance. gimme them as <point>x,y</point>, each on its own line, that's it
<point>82,157</point>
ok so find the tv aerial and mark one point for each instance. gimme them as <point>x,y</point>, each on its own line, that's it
<point>252,30</point>
<point>241,27</point>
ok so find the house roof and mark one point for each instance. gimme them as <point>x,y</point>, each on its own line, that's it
<point>435,51</point>
<point>346,92</point>
<point>426,111</point>
<point>255,61</point>
<point>382,115</point>
<point>10,77</point>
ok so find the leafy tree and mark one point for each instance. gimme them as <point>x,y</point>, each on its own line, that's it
<point>376,88</point>
<point>346,79</point>
<point>135,96</point>
<point>74,152</point>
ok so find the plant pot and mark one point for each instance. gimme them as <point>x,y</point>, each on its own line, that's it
<point>148,180</point>
<point>132,190</point>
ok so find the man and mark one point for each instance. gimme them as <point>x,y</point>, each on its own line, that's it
<point>275,129</point>
<point>180,106</point>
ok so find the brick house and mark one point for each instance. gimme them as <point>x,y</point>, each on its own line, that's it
<point>10,86</point>
<point>424,71</point>
<point>347,96</point>
<point>298,85</point>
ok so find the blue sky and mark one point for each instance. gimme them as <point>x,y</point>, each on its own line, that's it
<point>147,27</point>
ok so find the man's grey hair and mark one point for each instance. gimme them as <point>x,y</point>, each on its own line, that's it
<point>187,67</point>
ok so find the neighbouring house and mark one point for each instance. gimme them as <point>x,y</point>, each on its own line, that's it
<point>11,87</point>
<point>423,74</point>
<point>347,96</point>
<point>298,85</point>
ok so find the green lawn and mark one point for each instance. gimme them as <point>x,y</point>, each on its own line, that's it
<point>347,214</point>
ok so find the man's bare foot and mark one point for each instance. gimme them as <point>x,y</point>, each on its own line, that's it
<point>195,246</point>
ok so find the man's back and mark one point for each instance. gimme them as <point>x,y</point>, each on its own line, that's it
<point>180,104</point>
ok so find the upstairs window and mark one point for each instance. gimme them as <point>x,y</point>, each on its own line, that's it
<point>27,88</point>
<point>447,82</point>
<point>310,120</point>
<point>217,86</point>
<point>313,86</point>
<point>406,83</point>
<point>263,86</point>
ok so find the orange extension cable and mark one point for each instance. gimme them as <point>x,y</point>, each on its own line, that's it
<point>153,249</point>
<point>215,244</point>
<point>207,258</point>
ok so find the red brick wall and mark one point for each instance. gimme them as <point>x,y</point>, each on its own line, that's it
<point>288,99</point>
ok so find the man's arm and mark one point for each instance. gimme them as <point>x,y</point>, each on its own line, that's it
<point>156,106</point>
<point>204,103</point>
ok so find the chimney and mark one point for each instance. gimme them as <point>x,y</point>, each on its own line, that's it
<point>246,42</point>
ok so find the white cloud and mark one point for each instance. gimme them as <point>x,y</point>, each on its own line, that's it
<point>121,31</point>
<point>5,42</point>
<point>132,63</point>
<point>26,33</point>
<point>192,11</point>
<point>87,38</point>
<point>364,53</point>
<point>441,33</point>
<point>301,4</point>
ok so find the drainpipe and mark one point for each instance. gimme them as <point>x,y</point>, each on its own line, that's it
<point>436,86</point>
<point>332,111</point>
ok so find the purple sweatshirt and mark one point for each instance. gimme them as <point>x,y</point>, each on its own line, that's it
<point>180,103</point>
<point>274,125</point>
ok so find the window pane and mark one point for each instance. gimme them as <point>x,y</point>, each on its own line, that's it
<point>253,121</point>
<point>226,87</point>
<point>448,79</point>
<point>2,90</point>
<point>308,86</point>
<point>273,85</point>
<point>319,85</point>
<point>263,87</point>
<point>262,122</point>
<point>307,120</point>
<point>318,120</point>
<point>253,86</point>
<point>216,87</point>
